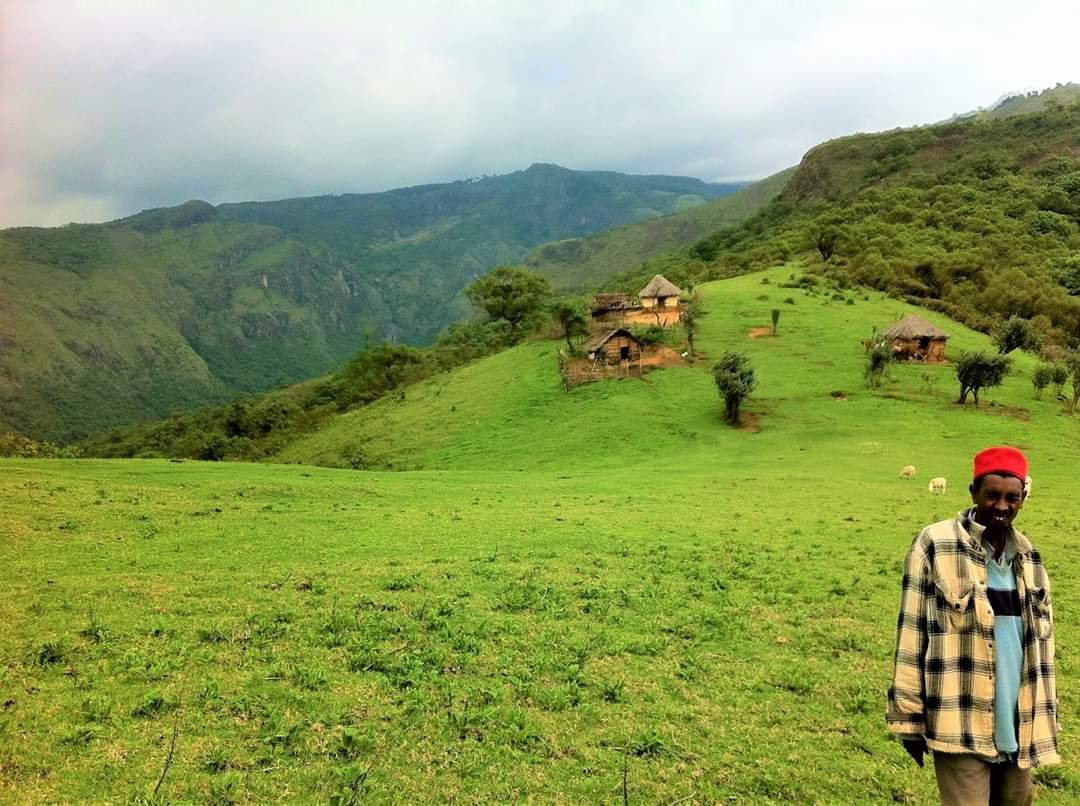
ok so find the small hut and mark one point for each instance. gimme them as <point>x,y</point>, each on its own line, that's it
<point>660,302</point>
<point>915,339</point>
<point>614,347</point>
<point>610,309</point>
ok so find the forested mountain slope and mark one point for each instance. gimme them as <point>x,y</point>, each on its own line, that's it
<point>583,263</point>
<point>179,307</point>
<point>977,219</point>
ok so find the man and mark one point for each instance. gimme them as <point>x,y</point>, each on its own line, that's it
<point>974,673</point>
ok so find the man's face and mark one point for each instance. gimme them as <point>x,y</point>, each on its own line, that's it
<point>997,500</point>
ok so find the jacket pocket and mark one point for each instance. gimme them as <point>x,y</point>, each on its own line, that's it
<point>1042,618</point>
<point>956,606</point>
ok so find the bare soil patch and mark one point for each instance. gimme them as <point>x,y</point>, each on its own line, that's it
<point>759,332</point>
<point>749,423</point>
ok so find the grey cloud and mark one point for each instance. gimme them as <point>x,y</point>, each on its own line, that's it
<point>114,108</point>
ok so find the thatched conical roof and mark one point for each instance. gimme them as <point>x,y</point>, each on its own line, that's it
<point>914,327</point>
<point>660,286</point>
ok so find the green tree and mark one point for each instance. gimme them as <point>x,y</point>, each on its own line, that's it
<point>977,371</point>
<point>826,241</point>
<point>878,359</point>
<point>775,319</point>
<point>1016,333</point>
<point>1042,377</point>
<point>735,381</point>
<point>1059,377</point>
<point>509,293</point>
<point>690,318</point>
<point>1072,365</point>
<point>571,322</point>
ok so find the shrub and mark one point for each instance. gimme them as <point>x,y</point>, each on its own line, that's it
<point>977,370</point>
<point>735,381</point>
<point>877,361</point>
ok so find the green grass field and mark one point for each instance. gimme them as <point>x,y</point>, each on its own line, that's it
<point>545,596</point>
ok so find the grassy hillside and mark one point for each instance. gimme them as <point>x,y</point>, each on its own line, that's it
<point>585,263</point>
<point>576,590</point>
<point>180,307</point>
<point>509,411</point>
<point>976,219</point>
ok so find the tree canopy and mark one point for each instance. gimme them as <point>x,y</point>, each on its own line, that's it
<point>735,381</point>
<point>509,293</point>
<point>979,370</point>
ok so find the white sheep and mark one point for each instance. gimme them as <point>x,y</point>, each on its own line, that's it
<point>908,472</point>
<point>937,485</point>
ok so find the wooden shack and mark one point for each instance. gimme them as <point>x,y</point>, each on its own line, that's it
<point>659,303</point>
<point>915,339</point>
<point>614,347</point>
<point>609,310</point>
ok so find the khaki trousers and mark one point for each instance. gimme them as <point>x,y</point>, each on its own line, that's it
<point>967,780</point>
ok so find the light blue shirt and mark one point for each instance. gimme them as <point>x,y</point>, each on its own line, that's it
<point>1008,645</point>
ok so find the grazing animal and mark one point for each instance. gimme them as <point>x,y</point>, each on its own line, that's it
<point>1027,488</point>
<point>908,472</point>
<point>937,485</point>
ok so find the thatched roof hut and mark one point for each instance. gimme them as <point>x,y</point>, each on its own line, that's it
<point>915,338</point>
<point>659,287</point>
<point>914,327</point>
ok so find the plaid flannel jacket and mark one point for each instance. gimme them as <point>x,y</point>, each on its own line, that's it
<point>943,677</point>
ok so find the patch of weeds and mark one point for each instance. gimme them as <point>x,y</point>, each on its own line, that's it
<point>647,742</point>
<point>401,583</point>
<point>69,526</point>
<point>518,729</point>
<point>360,657</point>
<point>793,681</point>
<point>612,690</point>
<point>529,594</point>
<point>158,628</point>
<point>278,733</point>
<point>647,647</point>
<point>860,703</point>
<point>689,667</point>
<point>81,736</point>
<point>97,708</point>
<point>353,744</point>
<point>349,785</point>
<point>310,677</point>
<point>50,652</point>
<point>151,704</point>
<point>225,791</point>
<point>559,698</point>
<point>1057,778</point>
<point>212,634</point>
<point>217,760</point>
<point>95,630</point>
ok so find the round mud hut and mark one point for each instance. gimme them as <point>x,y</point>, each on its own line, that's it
<point>915,339</point>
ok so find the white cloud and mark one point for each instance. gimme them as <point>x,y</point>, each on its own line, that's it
<point>112,107</point>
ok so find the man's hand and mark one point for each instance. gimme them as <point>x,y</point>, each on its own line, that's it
<point>916,747</point>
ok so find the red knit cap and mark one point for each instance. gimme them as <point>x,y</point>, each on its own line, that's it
<point>1007,461</point>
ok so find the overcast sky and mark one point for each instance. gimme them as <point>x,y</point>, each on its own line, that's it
<point>108,108</point>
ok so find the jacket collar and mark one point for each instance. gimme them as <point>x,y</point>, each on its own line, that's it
<point>974,532</point>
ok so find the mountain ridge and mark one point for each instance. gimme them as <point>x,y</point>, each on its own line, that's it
<point>191,305</point>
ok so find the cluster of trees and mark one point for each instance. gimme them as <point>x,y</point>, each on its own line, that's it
<point>15,444</point>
